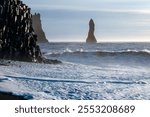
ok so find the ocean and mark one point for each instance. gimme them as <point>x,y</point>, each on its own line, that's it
<point>102,71</point>
<point>123,54</point>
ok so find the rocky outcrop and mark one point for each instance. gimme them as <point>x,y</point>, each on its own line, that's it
<point>91,37</point>
<point>37,26</point>
<point>17,37</point>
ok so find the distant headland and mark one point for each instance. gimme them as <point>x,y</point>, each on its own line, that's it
<point>37,26</point>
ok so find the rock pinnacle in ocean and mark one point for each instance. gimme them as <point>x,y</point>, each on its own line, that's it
<point>91,37</point>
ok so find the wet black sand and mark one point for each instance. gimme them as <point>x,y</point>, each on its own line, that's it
<point>10,96</point>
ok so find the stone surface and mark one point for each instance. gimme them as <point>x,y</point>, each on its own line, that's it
<point>91,37</point>
<point>17,37</point>
<point>37,26</point>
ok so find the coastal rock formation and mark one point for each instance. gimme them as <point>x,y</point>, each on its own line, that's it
<point>91,37</point>
<point>17,37</point>
<point>37,26</point>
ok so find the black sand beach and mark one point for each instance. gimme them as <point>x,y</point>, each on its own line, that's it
<point>10,96</point>
<point>7,95</point>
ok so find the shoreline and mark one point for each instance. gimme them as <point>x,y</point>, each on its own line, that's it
<point>6,62</point>
<point>10,96</point>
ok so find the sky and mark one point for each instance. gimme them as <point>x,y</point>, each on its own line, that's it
<point>115,20</point>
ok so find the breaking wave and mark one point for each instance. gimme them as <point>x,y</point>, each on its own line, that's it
<point>142,53</point>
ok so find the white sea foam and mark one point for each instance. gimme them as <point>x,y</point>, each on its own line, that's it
<point>83,74</point>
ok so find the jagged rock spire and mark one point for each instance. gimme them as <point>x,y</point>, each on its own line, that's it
<point>37,26</point>
<point>91,37</point>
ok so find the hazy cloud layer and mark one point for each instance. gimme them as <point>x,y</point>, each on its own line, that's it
<point>114,19</point>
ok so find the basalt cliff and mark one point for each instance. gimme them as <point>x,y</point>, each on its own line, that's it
<point>17,36</point>
<point>37,26</point>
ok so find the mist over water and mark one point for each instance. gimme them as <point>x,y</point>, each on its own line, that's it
<point>117,20</point>
<point>118,71</point>
<point>100,54</point>
<point>73,25</point>
<point>88,72</point>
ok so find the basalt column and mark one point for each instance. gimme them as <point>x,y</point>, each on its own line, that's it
<point>17,37</point>
<point>91,37</point>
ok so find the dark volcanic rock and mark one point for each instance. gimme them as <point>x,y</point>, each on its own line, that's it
<point>91,37</point>
<point>47,61</point>
<point>37,26</point>
<point>10,96</point>
<point>17,37</point>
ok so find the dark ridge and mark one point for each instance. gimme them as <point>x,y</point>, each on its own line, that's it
<point>10,96</point>
<point>17,36</point>
<point>37,26</point>
<point>1,64</point>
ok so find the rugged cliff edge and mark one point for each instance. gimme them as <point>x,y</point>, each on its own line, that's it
<point>17,36</point>
<point>37,26</point>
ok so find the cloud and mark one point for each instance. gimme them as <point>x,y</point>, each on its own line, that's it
<point>113,18</point>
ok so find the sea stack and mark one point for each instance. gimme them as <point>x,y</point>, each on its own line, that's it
<point>91,37</point>
<point>17,36</point>
<point>37,26</point>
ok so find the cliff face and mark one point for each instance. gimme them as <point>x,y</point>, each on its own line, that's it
<point>17,37</point>
<point>37,26</point>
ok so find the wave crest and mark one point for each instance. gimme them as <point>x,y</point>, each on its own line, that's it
<point>127,52</point>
